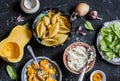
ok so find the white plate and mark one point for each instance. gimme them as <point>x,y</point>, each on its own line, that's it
<point>115,60</point>
<point>30,62</point>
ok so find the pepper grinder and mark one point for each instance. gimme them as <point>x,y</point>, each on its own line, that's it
<point>30,6</point>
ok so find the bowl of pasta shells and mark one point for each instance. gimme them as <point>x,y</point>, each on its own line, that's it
<point>51,28</point>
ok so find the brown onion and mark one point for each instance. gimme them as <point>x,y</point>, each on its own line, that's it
<point>81,10</point>
<point>94,15</point>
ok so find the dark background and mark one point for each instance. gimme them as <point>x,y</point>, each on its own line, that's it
<point>108,10</point>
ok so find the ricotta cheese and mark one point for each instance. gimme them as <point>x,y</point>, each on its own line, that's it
<point>77,58</point>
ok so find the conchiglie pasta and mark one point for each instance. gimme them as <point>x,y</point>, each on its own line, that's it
<point>64,28</point>
<point>51,14</point>
<point>38,22</point>
<point>45,35</point>
<point>49,26</point>
<point>63,21</point>
<point>54,18</point>
<point>54,30</point>
<point>63,31</point>
<point>61,38</point>
<point>42,29</point>
<point>38,29</point>
<point>46,20</point>
<point>49,42</point>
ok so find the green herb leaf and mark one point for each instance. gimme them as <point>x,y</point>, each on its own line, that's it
<point>11,72</point>
<point>42,15</point>
<point>88,25</point>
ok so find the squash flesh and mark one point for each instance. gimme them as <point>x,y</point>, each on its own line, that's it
<point>12,48</point>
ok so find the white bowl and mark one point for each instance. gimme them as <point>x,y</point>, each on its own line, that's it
<point>98,71</point>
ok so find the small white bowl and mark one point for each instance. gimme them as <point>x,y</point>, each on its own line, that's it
<point>98,71</point>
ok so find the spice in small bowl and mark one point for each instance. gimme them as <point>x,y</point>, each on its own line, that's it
<point>98,75</point>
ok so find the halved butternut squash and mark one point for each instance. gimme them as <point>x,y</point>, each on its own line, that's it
<point>12,47</point>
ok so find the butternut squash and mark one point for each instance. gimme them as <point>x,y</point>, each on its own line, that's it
<point>12,47</point>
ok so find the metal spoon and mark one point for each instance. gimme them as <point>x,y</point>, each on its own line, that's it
<point>89,54</point>
<point>38,67</point>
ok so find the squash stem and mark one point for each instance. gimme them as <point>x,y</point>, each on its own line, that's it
<point>26,25</point>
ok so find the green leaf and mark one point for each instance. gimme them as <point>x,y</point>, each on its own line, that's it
<point>42,15</point>
<point>110,55</point>
<point>116,49</point>
<point>116,29</point>
<point>88,25</point>
<point>11,72</point>
<point>115,42</point>
<point>109,38</point>
<point>105,31</point>
<point>104,46</point>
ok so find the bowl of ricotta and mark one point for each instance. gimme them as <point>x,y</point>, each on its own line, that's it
<point>75,57</point>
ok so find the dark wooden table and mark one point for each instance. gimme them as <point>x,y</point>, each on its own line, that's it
<point>108,10</point>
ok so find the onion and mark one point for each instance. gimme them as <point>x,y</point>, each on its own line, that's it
<point>78,31</point>
<point>81,10</point>
<point>94,15</point>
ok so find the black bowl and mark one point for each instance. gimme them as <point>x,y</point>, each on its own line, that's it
<point>40,16</point>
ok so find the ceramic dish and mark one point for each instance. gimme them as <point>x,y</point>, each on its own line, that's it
<point>73,45</point>
<point>30,62</point>
<point>115,60</point>
<point>40,16</point>
<point>100,72</point>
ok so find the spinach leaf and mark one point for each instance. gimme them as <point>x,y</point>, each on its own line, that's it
<point>11,72</point>
<point>88,25</point>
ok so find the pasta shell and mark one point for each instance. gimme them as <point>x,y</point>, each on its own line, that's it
<point>65,28</point>
<point>61,38</point>
<point>46,20</point>
<point>42,30</point>
<point>49,26</point>
<point>51,14</point>
<point>38,28</point>
<point>39,21</point>
<point>54,30</point>
<point>54,18</point>
<point>63,21</point>
<point>49,42</point>
<point>45,35</point>
<point>63,31</point>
